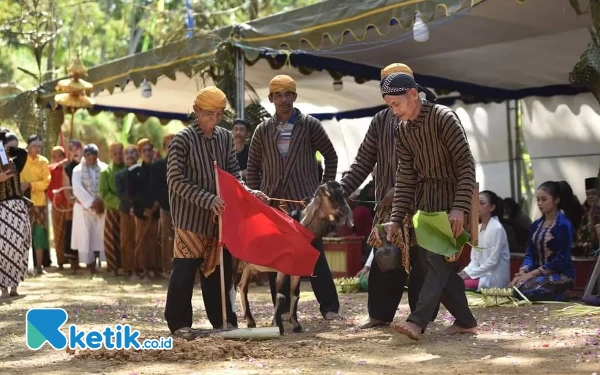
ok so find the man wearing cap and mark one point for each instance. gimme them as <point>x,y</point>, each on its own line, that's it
<point>89,210</point>
<point>436,172</point>
<point>586,238</point>
<point>110,197</point>
<point>35,179</point>
<point>126,216</point>
<point>194,204</point>
<point>379,148</point>
<point>282,163</point>
<point>146,210</point>
<point>240,130</point>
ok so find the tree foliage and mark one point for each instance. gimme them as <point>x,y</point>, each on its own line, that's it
<point>39,38</point>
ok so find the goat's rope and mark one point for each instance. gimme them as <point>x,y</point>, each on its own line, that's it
<point>56,192</point>
<point>359,201</point>
<point>282,206</point>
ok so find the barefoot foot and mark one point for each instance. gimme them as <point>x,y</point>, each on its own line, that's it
<point>409,329</point>
<point>330,315</point>
<point>456,329</point>
<point>372,323</point>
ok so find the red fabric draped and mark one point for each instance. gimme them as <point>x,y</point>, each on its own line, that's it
<point>257,233</point>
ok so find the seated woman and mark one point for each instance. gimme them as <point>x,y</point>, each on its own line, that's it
<point>490,265</point>
<point>547,272</point>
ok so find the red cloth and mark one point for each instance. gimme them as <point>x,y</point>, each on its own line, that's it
<point>472,284</point>
<point>257,233</point>
<point>56,183</point>
<point>363,221</point>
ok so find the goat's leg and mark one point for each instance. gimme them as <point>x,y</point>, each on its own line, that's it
<point>243,288</point>
<point>235,276</point>
<point>279,302</point>
<point>295,297</point>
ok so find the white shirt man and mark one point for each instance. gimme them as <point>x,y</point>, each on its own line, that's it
<point>88,212</point>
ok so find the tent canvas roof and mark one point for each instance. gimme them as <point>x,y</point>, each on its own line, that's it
<point>484,49</point>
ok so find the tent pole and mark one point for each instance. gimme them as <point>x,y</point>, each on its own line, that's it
<point>519,151</point>
<point>240,82</point>
<point>511,155</point>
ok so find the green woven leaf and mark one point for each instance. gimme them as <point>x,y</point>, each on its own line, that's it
<point>434,233</point>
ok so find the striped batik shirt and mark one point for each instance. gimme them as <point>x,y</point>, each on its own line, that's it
<point>267,168</point>
<point>436,170</point>
<point>378,148</point>
<point>191,176</point>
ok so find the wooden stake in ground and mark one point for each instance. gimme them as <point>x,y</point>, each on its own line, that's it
<point>261,333</point>
<point>220,247</point>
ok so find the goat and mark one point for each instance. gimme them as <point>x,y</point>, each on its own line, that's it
<point>328,205</point>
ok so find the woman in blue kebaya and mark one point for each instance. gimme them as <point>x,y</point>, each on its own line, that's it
<point>547,272</point>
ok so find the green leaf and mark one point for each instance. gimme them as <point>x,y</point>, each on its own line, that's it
<point>28,72</point>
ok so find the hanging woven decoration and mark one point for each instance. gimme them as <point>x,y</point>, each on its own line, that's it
<point>586,72</point>
<point>74,90</point>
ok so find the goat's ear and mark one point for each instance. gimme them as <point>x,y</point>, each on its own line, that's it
<point>312,208</point>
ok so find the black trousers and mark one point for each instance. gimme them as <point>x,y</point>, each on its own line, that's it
<point>178,309</point>
<point>46,261</point>
<point>441,283</point>
<point>321,282</point>
<point>386,289</point>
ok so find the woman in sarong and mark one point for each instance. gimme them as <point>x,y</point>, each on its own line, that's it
<point>15,230</point>
<point>59,203</point>
<point>547,272</point>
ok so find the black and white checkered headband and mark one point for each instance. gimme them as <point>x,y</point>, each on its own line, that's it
<point>397,84</point>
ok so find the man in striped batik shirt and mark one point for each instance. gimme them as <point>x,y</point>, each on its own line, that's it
<point>282,164</point>
<point>379,148</point>
<point>436,172</point>
<point>194,203</point>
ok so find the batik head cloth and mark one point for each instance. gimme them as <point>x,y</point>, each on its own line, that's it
<point>211,98</point>
<point>591,183</point>
<point>282,83</point>
<point>396,68</point>
<point>397,84</point>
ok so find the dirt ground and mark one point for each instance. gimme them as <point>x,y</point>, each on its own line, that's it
<point>524,340</point>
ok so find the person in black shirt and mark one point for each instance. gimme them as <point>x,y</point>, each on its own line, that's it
<point>158,181</point>
<point>240,131</point>
<point>126,217</point>
<point>146,211</point>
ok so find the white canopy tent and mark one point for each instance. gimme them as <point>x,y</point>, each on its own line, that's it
<point>498,50</point>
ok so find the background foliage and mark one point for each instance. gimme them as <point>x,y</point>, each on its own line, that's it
<point>40,37</point>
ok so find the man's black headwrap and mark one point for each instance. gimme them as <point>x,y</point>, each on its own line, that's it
<point>90,149</point>
<point>400,83</point>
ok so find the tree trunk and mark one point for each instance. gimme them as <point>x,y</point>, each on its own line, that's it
<point>135,33</point>
<point>108,5</point>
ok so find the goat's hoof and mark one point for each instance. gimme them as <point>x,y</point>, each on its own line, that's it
<point>251,324</point>
<point>297,329</point>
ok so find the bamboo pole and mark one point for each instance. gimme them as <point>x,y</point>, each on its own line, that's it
<point>221,262</point>
<point>474,216</point>
<point>260,333</point>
